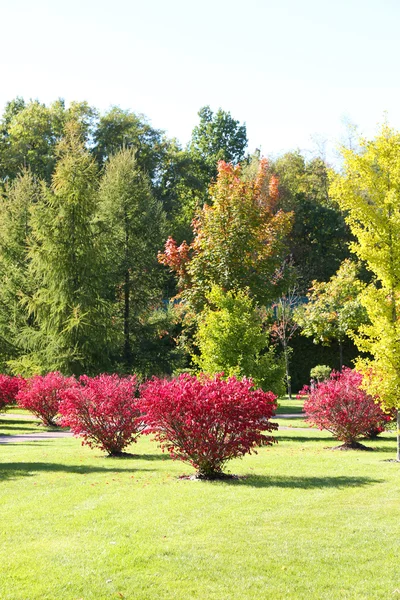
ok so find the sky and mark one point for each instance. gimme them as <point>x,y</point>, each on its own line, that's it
<point>296,72</point>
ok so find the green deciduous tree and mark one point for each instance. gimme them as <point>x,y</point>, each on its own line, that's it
<point>119,129</point>
<point>231,338</point>
<point>218,136</point>
<point>334,308</point>
<point>369,190</point>
<point>319,240</point>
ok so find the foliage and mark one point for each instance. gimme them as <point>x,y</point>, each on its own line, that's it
<point>120,129</point>
<point>41,395</point>
<point>103,410</point>
<point>239,240</point>
<point>32,131</point>
<point>369,190</point>
<point>207,421</point>
<point>70,324</point>
<point>9,388</point>
<point>319,240</point>
<point>218,137</point>
<point>334,308</point>
<point>131,226</point>
<point>320,373</point>
<point>16,282</point>
<point>340,406</point>
<point>284,327</point>
<point>231,338</point>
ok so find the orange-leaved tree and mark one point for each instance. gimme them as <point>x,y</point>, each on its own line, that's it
<point>239,239</point>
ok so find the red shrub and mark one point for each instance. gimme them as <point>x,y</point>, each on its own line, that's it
<point>207,421</point>
<point>41,395</point>
<point>103,411</point>
<point>9,387</point>
<point>340,406</point>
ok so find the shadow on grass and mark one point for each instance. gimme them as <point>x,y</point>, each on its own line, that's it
<point>302,438</point>
<point>289,409</point>
<point>264,481</point>
<point>25,469</point>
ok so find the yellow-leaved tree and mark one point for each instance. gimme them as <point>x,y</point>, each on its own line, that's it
<point>368,190</point>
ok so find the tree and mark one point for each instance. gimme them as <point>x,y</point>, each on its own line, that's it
<point>231,339</point>
<point>16,282</point>
<point>334,308</point>
<point>207,421</point>
<point>218,137</point>
<point>32,131</point>
<point>319,240</point>
<point>284,327</point>
<point>70,331</point>
<point>131,226</point>
<point>369,190</point>
<point>239,240</point>
<point>118,129</point>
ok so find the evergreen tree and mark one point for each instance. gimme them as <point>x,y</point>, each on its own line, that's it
<point>132,227</point>
<point>70,319</point>
<point>15,279</point>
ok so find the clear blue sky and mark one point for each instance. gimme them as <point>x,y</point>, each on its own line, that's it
<point>292,70</point>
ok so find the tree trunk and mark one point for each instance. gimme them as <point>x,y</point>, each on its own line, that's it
<point>398,435</point>
<point>127,341</point>
<point>288,378</point>
<point>340,355</point>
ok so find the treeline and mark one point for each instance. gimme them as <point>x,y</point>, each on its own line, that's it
<point>88,201</point>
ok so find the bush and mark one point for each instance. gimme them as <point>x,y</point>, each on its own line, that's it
<point>9,387</point>
<point>207,421</point>
<point>320,373</point>
<point>340,406</point>
<point>103,411</point>
<point>41,395</point>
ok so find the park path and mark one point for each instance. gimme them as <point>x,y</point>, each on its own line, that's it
<point>34,437</point>
<point>53,435</point>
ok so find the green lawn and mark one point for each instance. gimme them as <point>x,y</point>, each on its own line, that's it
<point>292,406</point>
<point>303,522</point>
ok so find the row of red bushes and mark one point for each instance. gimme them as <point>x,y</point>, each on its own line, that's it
<point>205,421</point>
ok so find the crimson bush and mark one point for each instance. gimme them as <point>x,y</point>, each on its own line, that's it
<point>207,421</point>
<point>9,387</point>
<point>103,411</point>
<point>340,406</point>
<point>41,395</point>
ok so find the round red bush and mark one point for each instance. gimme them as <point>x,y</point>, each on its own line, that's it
<point>207,421</point>
<point>9,387</point>
<point>340,406</point>
<point>41,395</point>
<point>103,411</point>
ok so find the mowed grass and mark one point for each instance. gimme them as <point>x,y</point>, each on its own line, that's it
<point>302,522</point>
